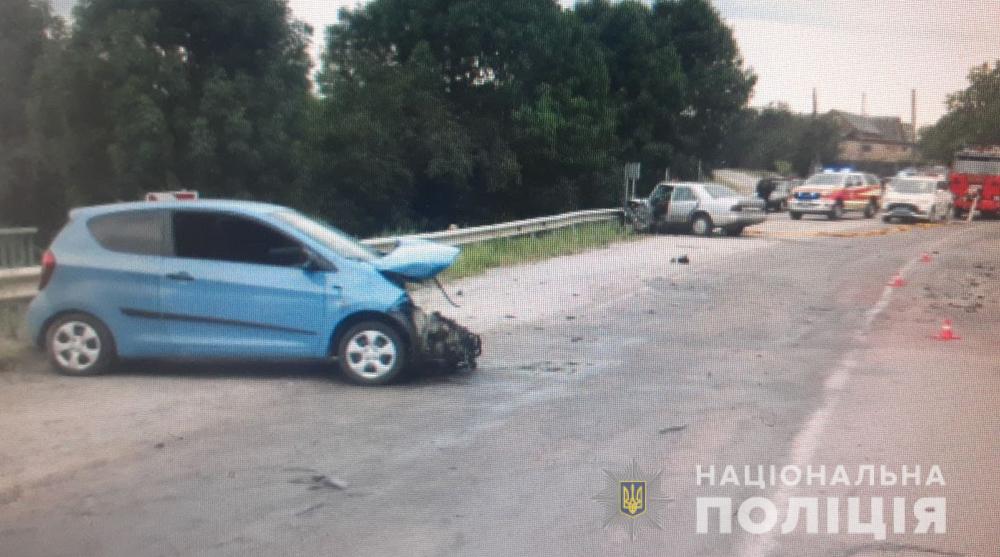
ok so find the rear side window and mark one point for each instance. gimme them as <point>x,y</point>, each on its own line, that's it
<point>138,232</point>
<point>226,237</point>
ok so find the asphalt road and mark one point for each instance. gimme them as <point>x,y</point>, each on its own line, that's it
<point>785,347</point>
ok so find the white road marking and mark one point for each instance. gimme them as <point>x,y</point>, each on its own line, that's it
<point>805,443</point>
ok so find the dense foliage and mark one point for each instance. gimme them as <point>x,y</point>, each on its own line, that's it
<point>773,138</point>
<point>424,112</point>
<point>972,120</point>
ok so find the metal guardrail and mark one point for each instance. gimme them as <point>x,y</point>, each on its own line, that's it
<point>17,247</point>
<point>20,284</point>
<point>462,236</point>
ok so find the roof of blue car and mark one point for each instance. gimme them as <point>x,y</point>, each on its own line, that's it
<point>235,205</point>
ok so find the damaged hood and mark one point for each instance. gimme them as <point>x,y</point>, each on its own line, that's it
<point>417,259</point>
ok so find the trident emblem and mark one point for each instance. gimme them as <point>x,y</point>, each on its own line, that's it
<point>633,498</point>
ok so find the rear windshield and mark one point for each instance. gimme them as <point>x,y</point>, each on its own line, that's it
<point>913,186</point>
<point>720,192</point>
<point>825,180</point>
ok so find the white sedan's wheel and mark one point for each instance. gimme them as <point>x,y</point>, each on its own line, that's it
<point>701,225</point>
<point>78,344</point>
<point>372,353</point>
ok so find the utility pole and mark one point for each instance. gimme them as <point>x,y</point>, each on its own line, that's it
<point>815,103</point>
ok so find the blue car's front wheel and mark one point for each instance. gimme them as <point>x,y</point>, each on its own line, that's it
<point>371,353</point>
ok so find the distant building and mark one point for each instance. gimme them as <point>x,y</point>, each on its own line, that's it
<point>879,144</point>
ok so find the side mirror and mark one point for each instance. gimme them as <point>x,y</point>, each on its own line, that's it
<point>943,186</point>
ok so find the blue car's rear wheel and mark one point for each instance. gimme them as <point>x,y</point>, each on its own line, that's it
<point>372,353</point>
<point>79,344</point>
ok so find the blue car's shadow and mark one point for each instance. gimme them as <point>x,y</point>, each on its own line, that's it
<point>271,370</point>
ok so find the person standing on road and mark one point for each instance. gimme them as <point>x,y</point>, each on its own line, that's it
<point>765,187</point>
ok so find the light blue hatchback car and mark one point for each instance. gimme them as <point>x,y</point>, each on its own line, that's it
<point>215,279</point>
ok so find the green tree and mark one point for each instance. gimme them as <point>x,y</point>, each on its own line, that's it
<point>516,90</point>
<point>676,78</point>
<point>387,149</point>
<point>29,35</point>
<point>762,138</point>
<point>207,94</point>
<point>717,84</point>
<point>973,117</point>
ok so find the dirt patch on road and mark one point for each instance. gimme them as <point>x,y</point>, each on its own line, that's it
<point>867,233</point>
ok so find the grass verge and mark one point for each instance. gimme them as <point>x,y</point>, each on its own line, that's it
<point>477,258</point>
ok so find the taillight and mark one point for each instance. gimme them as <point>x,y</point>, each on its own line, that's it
<point>48,267</point>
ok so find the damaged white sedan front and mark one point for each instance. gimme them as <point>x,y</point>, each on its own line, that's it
<point>694,207</point>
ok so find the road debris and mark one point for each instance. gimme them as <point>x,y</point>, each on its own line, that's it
<point>320,481</point>
<point>768,418</point>
<point>682,260</point>
<point>672,429</point>
<point>310,510</point>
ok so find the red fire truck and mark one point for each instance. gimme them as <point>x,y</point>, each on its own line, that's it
<point>975,181</point>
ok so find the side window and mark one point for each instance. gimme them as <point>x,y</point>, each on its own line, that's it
<point>684,194</point>
<point>660,194</point>
<point>138,232</point>
<point>871,179</point>
<point>225,237</point>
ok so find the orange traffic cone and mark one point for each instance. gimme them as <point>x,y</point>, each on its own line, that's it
<point>946,332</point>
<point>925,258</point>
<point>897,281</point>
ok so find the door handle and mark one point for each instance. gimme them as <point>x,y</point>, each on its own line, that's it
<point>183,275</point>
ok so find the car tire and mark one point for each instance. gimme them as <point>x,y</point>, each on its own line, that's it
<point>371,353</point>
<point>79,344</point>
<point>783,206</point>
<point>794,215</point>
<point>887,219</point>
<point>870,210</point>
<point>701,225</point>
<point>836,213</point>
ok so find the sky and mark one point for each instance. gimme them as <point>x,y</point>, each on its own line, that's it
<point>881,49</point>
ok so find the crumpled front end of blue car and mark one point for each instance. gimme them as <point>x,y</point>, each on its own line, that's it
<point>438,340</point>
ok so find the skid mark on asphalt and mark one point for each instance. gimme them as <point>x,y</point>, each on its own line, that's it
<point>806,441</point>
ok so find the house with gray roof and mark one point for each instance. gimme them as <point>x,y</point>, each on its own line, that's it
<point>881,144</point>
